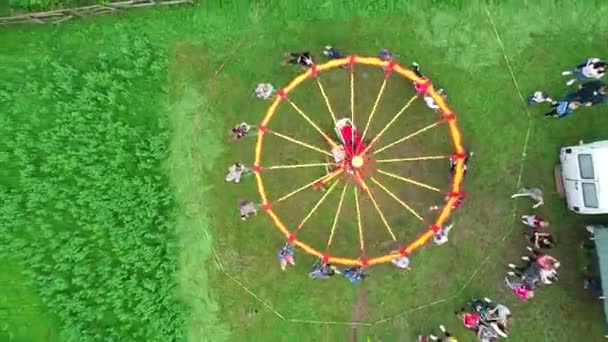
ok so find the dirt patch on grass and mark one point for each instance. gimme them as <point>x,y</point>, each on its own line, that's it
<point>357,314</point>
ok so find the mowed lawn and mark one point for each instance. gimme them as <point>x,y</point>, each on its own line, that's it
<point>227,273</point>
<point>469,63</point>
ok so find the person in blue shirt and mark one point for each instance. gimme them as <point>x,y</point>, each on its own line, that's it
<point>333,53</point>
<point>354,274</point>
<point>562,108</point>
<point>385,55</point>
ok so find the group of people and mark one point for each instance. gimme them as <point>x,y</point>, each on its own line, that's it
<point>539,268</point>
<point>321,269</point>
<point>488,319</point>
<point>248,209</point>
<point>591,90</point>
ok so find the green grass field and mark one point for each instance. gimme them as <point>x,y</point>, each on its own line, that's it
<point>115,149</point>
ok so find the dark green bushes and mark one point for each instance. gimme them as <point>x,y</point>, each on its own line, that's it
<point>48,4</point>
<point>84,202</point>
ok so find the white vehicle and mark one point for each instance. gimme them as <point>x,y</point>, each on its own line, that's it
<point>582,177</point>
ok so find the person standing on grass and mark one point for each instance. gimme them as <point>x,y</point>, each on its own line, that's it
<point>235,171</point>
<point>534,194</point>
<point>589,94</point>
<point>534,221</point>
<point>304,59</point>
<point>562,108</point>
<point>589,69</point>
<point>247,209</point>
<point>286,257</point>
<point>540,240</point>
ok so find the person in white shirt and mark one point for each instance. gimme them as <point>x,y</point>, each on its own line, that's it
<point>441,236</point>
<point>539,96</point>
<point>430,102</point>
<point>242,130</point>
<point>547,276</point>
<point>338,153</point>
<point>247,209</point>
<point>264,91</point>
<point>534,194</point>
<point>402,262</point>
<point>235,171</point>
<point>589,69</point>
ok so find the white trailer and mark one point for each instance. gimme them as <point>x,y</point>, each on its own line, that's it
<point>582,177</point>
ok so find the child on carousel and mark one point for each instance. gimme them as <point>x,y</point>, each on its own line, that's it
<point>354,274</point>
<point>322,270</point>
<point>286,257</point>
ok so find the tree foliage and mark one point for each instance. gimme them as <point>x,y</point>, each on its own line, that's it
<point>84,202</point>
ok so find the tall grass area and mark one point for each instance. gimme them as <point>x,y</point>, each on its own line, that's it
<point>113,156</point>
<point>86,208</point>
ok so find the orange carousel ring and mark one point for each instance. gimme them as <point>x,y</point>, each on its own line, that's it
<point>352,156</point>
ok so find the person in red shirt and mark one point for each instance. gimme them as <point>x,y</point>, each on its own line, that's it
<point>521,290</point>
<point>544,261</point>
<point>534,221</point>
<point>470,320</point>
